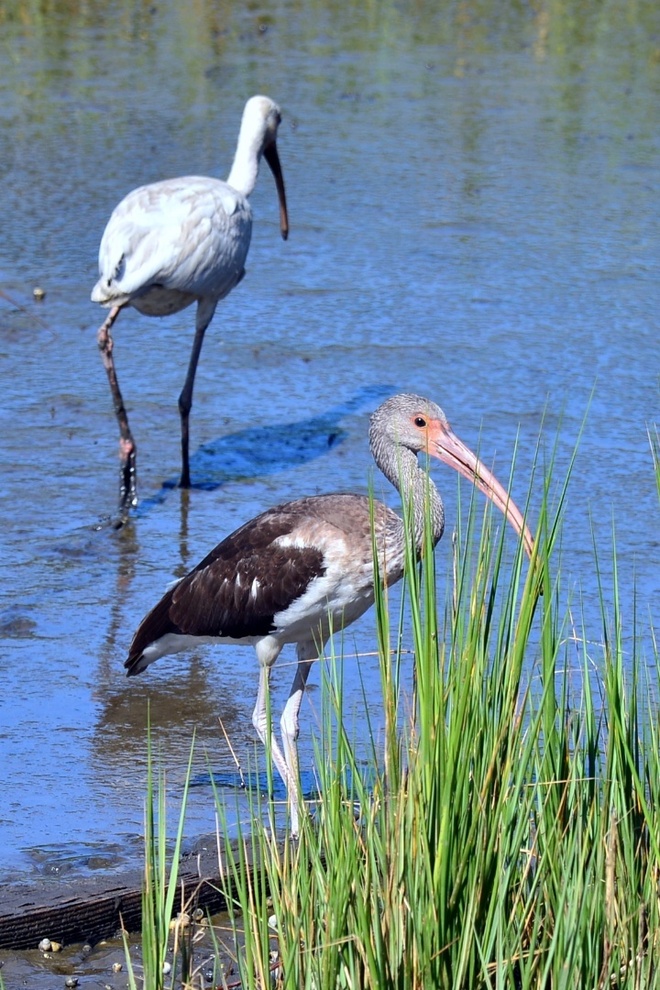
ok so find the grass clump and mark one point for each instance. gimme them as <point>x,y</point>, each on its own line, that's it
<point>507,832</point>
<point>159,890</point>
<point>503,829</point>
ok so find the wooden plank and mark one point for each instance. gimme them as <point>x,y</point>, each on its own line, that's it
<point>91,909</point>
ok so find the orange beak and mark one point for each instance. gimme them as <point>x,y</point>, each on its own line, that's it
<point>446,446</point>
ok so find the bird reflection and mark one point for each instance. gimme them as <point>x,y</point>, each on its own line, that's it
<point>127,548</point>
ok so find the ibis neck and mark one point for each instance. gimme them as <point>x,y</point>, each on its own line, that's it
<point>417,490</point>
<point>245,168</point>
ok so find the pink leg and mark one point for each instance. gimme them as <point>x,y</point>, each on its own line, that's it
<point>260,723</point>
<point>289,724</point>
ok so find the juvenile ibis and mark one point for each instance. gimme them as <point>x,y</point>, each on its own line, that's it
<point>176,242</point>
<point>305,568</point>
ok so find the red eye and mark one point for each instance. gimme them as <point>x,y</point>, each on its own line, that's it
<point>419,421</point>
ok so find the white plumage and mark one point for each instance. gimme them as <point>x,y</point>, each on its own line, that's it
<point>180,241</point>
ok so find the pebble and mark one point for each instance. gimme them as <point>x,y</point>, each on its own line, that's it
<point>71,981</point>
<point>44,945</point>
<point>39,293</point>
<point>116,967</point>
<point>167,967</point>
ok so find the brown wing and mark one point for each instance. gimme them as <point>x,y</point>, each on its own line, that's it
<point>239,586</point>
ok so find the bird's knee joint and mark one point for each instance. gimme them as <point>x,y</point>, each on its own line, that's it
<point>289,727</point>
<point>104,341</point>
<point>260,724</point>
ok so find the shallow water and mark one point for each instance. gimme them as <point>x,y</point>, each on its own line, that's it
<point>473,205</point>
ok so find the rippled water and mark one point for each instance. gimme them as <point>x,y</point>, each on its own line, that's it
<point>473,204</point>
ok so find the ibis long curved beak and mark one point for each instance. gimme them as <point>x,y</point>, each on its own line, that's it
<point>446,446</point>
<point>273,159</point>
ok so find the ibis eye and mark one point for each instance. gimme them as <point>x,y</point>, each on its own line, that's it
<point>419,421</point>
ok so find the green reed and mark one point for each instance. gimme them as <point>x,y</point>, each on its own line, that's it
<point>508,835</point>
<point>159,890</point>
<point>507,832</point>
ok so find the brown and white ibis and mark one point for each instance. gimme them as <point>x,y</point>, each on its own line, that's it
<point>305,568</point>
<point>176,242</point>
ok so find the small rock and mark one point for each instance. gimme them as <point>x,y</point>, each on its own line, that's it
<point>44,945</point>
<point>55,946</point>
<point>116,967</point>
<point>71,981</point>
<point>167,967</point>
<point>39,293</point>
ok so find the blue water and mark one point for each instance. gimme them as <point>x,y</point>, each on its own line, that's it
<point>473,206</point>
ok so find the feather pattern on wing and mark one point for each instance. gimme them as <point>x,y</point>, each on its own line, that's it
<point>237,589</point>
<point>273,575</point>
<point>188,235</point>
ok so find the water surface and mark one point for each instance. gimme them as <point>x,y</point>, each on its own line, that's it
<point>473,203</point>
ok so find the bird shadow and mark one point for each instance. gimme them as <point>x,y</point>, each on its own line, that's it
<point>260,451</point>
<point>258,782</point>
<point>273,786</point>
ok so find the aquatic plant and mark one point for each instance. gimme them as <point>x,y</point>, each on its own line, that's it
<point>505,828</point>
<point>507,832</point>
<point>161,863</point>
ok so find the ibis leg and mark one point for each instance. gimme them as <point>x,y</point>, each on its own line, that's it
<point>289,724</point>
<point>260,721</point>
<point>205,311</point>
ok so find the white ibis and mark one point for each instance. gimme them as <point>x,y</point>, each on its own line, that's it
<point>176,242</point>
<point>303,569</point>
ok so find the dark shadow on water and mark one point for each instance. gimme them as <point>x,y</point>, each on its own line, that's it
<point>269,449</point>
<point>257,782</point>
<point>309,783</point>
